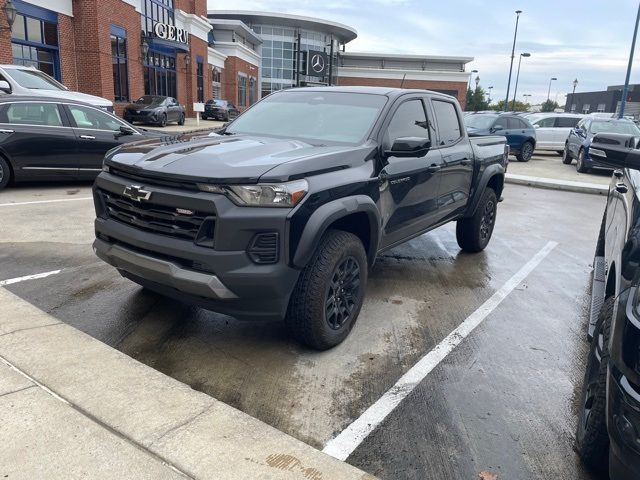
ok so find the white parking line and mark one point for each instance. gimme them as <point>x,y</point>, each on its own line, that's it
<point>15,204</point>
<point>28,277</point>
<point>348,440</point>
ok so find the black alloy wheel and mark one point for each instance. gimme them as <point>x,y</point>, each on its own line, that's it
<point>342,292</point>
<point>181,120</point>
<point>526,152</point>
<point>5,173</point>
<point>488,220</point>
<point>580,166</point>
<point>163,120</point>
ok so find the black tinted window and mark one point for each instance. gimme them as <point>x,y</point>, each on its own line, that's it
<point>448,124</point>
<point>567,122</point>
<point>408,121</point>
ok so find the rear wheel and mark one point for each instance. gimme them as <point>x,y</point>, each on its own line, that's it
<point>525,152</point>
<point>592,440</point>
<point>566,156</point>
<point>580,166</point>
<point>5,173</point>
<point>327,299</point>
<point>473,234</point>
<point>226,117</point>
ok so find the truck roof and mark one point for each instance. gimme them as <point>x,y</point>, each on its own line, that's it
<point>388,91</point>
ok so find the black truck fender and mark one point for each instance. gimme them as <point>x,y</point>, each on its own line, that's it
<point>323,217</point>
<point>494,174</point>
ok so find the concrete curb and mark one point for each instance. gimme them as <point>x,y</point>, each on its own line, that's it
<point>187,431</point>
<point>553,184</point>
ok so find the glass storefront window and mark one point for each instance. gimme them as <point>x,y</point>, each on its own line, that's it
<point>34,43</point>
<point>242,91</point>
<point>160,75</point>
<point>119,61</point>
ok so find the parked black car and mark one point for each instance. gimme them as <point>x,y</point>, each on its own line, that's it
<point>282,215</point>
<point>609,420</point>
<point>220,110</point>
<point>521,136</point>
<point>155,109</point>
<point>50,138</point>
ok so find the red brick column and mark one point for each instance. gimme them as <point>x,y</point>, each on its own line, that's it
<point>5,37</point>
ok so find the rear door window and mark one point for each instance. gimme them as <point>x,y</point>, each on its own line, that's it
<point>501,122</point>
<point>546,122</point>
<point>449,130</point>
<point>567,122</point>
<point>33,113</point>
<point>513,123</point>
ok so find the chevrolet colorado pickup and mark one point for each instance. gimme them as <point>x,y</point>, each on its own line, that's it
<point>282,214</point>
<point>609,418</point>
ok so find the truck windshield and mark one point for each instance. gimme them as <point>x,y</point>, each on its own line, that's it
<point>481,122</point>
<point>314,116</point>
<point>34,79</point>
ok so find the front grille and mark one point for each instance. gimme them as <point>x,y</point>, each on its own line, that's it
<point>155,218</point>
<point>148,180</point>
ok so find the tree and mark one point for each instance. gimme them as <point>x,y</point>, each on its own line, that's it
<point>476,100</point>
<point>519,107</point>
<point>549,106</point>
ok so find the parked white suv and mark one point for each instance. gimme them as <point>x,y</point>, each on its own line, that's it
<point>552,129</point>
<point>20,80</point>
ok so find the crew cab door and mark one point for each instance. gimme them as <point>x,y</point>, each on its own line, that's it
<point>408,185</point>
<point>457,159</point>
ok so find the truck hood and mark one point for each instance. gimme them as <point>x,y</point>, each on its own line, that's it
<point>229,159</point>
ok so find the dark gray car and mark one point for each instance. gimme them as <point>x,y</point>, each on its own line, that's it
<point>156,109</point>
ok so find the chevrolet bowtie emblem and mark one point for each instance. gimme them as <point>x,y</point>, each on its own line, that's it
<point>136,192</point>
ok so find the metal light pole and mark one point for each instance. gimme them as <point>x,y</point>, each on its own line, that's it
<point>625,92</point>
<point>471,75</point>
<point>477,81</point>
<point>575,84</point>
<point>549,90</point>
<point>515,90</point>
<point>489,88</point>
<point>513,50</point>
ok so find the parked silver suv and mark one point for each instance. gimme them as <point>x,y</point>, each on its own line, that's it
<point>21,80</point>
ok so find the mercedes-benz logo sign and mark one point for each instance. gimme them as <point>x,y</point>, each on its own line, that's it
<point>317,63</point>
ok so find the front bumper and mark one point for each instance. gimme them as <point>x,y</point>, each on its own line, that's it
<point>220,276</point>
<point>623,420</point>
<point>140,117</point>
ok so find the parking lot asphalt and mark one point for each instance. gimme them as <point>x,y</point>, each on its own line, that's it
<point>503,402</point>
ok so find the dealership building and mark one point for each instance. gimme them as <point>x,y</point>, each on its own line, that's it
<point>123,49</point>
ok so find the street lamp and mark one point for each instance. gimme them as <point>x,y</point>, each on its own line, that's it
<point>626,81</point>
<point>513,49</point>
<point>575,84</point>
<point>515,90</point>
<point>549,90</point>
<point>489,88</point>
<point>10,11</point>
<point>477,80</point>
<point>524,97</point>
<point>471,75</point>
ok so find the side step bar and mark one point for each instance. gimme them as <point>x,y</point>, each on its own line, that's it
<point>597,294</point>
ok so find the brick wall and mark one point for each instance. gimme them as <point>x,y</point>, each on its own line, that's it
<point>233,66</point>
<point>199,7</point>
<point>188,91</point>
<point>460,87</point>
<point>5,37</point>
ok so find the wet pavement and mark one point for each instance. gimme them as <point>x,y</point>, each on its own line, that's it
<point>502,402</point>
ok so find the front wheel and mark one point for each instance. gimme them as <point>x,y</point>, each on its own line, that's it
<point>560,152</point>
<point>580,166</point>
<point>566,156</point>
<point>327,299</point>
<point>525,152</point>
<point>163,120</point>
<point>473,234</point>
<point>592,440</point>
<point>5,173</point>
<point>181,120</point>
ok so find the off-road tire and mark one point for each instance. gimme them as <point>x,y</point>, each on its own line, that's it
<point>526,152</point>
<point>566,156</point>
<point>5,173</point>
<point>580,168</point>
<point>592,439</point>
<point>473,233</point>
<point>306,317</point>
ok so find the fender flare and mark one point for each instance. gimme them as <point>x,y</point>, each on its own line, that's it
<point>328,213</point>
<point>490,172</point>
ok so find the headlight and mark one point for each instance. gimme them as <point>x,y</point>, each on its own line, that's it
<point>263,194</point>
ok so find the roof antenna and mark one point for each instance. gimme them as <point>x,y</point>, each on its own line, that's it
<point>402,82</point>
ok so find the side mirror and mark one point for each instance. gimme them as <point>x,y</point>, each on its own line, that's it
<point>536,126</point>
<point>578,131</point>
<point>496,128</point>
<point>409,147</point>
<point>5,87</point>
<point>126,130</point>
<point>616,150</point>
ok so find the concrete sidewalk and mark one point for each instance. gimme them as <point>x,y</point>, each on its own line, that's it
<point>546,170</point>
<point>190,126</point>
<point>72,407</point>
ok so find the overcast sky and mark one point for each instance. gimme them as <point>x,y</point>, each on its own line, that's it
<point>588,40</point>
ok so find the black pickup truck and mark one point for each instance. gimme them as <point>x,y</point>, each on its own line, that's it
<point>281,215</point>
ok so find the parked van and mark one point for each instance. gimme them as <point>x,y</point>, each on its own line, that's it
<point>552,129</point>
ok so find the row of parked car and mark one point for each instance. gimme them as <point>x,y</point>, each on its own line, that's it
<point>568,134</point>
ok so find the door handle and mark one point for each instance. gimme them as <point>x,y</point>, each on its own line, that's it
<point>87,137</point>
<point>621,188</point>
<point>618,173</point>
<point>464,161</point>
<point>433,168</point>
<point>2,130</point>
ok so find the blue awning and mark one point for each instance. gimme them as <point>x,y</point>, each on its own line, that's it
<point>166,46</point>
